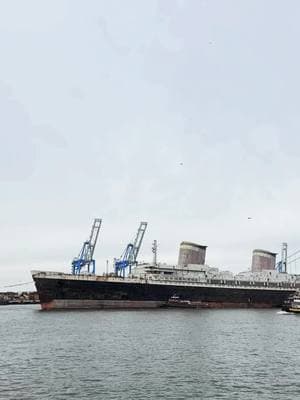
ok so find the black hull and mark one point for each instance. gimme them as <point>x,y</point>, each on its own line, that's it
<point>80,293</point>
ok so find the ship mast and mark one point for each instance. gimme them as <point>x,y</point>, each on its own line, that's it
<point>154,251</point>
<point>284,257</point>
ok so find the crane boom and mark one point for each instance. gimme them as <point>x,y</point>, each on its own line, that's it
<point>94,237</point>
<point>85,257</point>
<point>129,257</point>
<point>138,241</point>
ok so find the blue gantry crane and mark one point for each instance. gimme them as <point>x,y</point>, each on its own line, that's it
<point>85,263</point>
<point>281,266</point>
<point>129,256</point>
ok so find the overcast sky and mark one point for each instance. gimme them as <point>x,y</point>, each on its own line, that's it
<point>184,114</point>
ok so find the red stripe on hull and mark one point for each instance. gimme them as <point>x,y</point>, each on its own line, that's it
<point>99,304</point>
<point>111,304</point>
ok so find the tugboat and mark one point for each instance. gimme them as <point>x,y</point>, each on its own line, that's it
<point>176,301</point>
<point>292,304</point>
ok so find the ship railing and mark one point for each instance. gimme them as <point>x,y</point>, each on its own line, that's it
<point>83,277</point>
<point>171,280</point>
<point>222,283</point>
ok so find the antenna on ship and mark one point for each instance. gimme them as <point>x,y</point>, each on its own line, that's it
<point>154,251</point>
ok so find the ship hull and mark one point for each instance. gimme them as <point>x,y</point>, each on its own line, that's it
<point>99,293</point>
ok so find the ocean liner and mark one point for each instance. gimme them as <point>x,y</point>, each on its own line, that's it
<point>155,289</point>
<point>152,285</point>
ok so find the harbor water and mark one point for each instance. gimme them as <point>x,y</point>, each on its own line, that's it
<point>159,354</point>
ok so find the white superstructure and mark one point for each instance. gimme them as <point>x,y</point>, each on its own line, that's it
<point>205,273</point>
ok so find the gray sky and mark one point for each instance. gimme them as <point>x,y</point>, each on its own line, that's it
<point>100,103</point>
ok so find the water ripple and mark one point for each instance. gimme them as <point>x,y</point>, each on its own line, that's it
<point>178,354</point>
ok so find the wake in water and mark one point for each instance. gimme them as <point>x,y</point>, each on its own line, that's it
<point>284,313</point>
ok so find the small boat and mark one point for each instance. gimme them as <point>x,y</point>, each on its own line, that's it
<point>292,304</point>
<point>176,301</point>
<point>295,306</point>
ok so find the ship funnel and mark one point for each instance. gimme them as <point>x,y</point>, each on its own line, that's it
<point>191,253</point>
<point>263,260</point>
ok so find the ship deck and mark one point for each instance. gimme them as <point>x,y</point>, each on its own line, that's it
<point>186,282</point>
